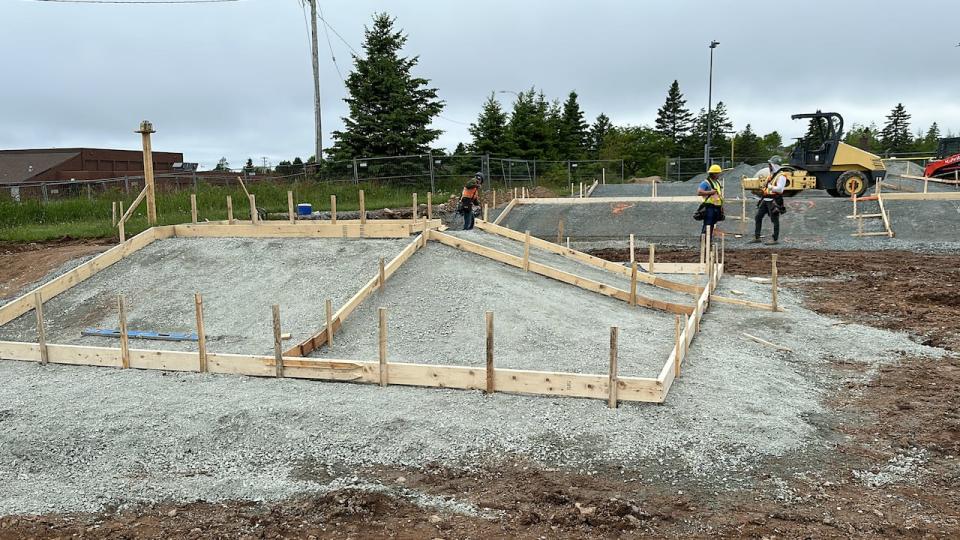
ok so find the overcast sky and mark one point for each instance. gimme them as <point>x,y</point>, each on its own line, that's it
<point>234,79</point>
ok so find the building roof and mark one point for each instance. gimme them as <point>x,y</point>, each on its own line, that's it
<point>18,166</point>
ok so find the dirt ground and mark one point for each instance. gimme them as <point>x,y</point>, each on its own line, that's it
<point>23,264</point>
<point>908,414</point>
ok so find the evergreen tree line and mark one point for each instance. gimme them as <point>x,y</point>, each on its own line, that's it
<point>391,112</point>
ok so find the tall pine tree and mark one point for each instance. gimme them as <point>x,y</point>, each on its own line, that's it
<point>390,109</point>
<point>720,126</point>
<point>896,133</point>
<point>674,119</point>
<point>748,144</point>
<point>598,134</point>
<point>490,130</point>
<point>572,133</point>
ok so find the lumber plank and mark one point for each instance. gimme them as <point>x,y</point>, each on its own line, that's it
<point>299,229</point>
<point>52,288</point>
<point>559,275</point>
<point>935,196</point>
<point>320,337</point>
<point>506,211</point>
<point>591,260</point>
<point>610,200</point>
<point>745,303</point>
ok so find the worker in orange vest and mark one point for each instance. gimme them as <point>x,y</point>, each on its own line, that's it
<point>469,198</point>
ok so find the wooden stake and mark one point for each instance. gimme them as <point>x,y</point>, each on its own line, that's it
<point>676,347</point>
<point>382,274</point>
<point>254,217</point>
<point>773,282</point>
<point>653,250</point>
<point>230,210</point>
<point>526,251</point>
<point>489,317</point>
<point>581,190</point>
<point>121,225</point>
<point>363,208</point>
<point>767,343</point>
<point>329,306</point>
<point>383,347</point>
<point>430,204</point>
<point>201,334</point>
<point>612,401</point>
<point>333,209</point>
<point>41,331</point>
<point>290,214</point>
<point>494,195</point>
<point>633,253</point>
<point>515,193</point>
<point>560,231</point>
<point>146,128</point>
<point>485,213</point>
<point>633,283</point>
<point>193,208</point>
<point>277,341</point>
<point>416,209</point>
<point>568,242</point>
<point>124,338</point>
<point>723,248</point>
<point>702,256</point>
<point>113,216</point>
<point>854,199</point>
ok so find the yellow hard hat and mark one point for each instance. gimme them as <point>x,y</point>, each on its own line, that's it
<point>714,169</point>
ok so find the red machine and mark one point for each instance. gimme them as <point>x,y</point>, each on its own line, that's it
<point>947,164</point>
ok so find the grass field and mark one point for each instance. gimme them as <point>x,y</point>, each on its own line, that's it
<point>82,217</point>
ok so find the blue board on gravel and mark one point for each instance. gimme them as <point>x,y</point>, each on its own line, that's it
<point>140,334</point>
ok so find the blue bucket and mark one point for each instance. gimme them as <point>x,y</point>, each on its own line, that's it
<point>304,209</point>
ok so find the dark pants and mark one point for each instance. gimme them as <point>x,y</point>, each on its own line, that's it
<point>711,217</point>
<point>768,208</point>
<point>467,218</point>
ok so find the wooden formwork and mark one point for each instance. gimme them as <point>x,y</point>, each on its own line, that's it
<point>292,363</point>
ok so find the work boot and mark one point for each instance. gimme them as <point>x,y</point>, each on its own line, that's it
<point>754,241</point>
<point>772,243</point>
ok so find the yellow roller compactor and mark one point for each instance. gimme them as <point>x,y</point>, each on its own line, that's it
<point>826,162</point>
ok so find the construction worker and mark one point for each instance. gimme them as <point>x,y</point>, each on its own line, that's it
<point>771,201</point>
<point>712,192</point>
<point>469,198</point>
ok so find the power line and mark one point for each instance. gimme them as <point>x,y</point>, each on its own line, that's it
<point>137,1</point>
<point>328,25</point>
<point>330,46</point>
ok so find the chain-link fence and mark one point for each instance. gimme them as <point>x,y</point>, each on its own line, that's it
<point>681,169</point>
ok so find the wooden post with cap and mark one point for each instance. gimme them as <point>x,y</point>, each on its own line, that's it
<point>146,128</point>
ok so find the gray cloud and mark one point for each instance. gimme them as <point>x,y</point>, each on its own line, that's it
<point>234,79</point>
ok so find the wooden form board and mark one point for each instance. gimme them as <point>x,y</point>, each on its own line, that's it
<point>24,303</point>
<point>435,376</point>
<point>601,200</point>
<point>304,229</point>
<point>592,187</point>
<point>320,337</point>
<point>559,275</point>
<point>935,196</point>
<point>506,211</point>
<point>586,258</point>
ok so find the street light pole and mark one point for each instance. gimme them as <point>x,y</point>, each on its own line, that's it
<point>706,149</point>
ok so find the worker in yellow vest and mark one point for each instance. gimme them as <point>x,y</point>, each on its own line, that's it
<point>711,209</point>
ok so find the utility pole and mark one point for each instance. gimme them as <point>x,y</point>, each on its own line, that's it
<point>316,82</point>
<point>706,149</point>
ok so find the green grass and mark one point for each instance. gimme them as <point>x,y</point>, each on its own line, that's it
<point>33,221</point>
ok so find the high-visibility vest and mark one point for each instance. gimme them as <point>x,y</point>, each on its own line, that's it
<point>469,193</point>
<point>716,200</point>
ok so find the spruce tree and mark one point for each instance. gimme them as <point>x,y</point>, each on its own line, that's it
<point>748,144</point>
<point>896,133</point>
<point>532,125</point>
<point>390,109</point>
<point>720,125</point>
<point>490,130</point>
<point>598,134</point>
<point>572,134</point>
<point>674,119</point>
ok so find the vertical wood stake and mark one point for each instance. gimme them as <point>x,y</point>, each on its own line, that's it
<point>633,255</point>
<point>124,339</point>
<point>560,231</point>
<point>121,225</point>
<point>363,208</point>
<point>201,333</point>
<point>229,210</point>
<point>329,306</point>
<point>485,212</point>
<point>254,217</point>
<point>568,242</point>
<point>383,346</point>
<point>416,209</point>
<point>193,208</point>
<point>494,203</point>
<point>653,251</point>
<point>612,401</point>
<point>633,283</point>
<point>382,274</point>
<point>526,251</point>
<point>489,318</point>
<point>290,214</point>
<point>773,282</point>
<point>277,346</point>
<point>430,204</point>
<point>333,209</point>
<point>678,351</point>
<point>41,331</point>
<point>113,218</point>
